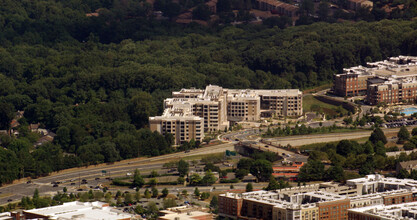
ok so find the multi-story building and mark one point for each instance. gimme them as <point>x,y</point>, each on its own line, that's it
<point>180,123</point>
<point>390,81</point>
<point>217,107</point>
<point>77,210</point>
<point>357,4</point>
<point>378,183</point>
<point>278,7</point>
<point>185,212</point>
<point>269,205</point>
<point>385,212</point>
<point>318,201</point>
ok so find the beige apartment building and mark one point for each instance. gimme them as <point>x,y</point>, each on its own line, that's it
<point>181,124</point>
<point>213,109</point>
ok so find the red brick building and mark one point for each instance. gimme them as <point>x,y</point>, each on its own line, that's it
<point>334,209</point>
<point>350,84</point>
<point>230,206</point>
<point>390,81</point>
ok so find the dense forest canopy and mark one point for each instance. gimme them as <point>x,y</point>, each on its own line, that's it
<point>94,81</point>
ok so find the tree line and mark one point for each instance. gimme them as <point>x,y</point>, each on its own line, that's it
<point>97,96</point>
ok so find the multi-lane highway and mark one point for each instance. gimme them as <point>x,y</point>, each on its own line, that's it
<point>72,177</point>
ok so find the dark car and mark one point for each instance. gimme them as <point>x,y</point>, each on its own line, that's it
<point>55,185</point>
<point>29,182</point>
<point>9,200</point>
<point>72,184</point>
<point>97,178</point>
<point>79,189</point>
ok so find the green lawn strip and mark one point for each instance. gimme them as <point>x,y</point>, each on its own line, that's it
<point>310,103</point>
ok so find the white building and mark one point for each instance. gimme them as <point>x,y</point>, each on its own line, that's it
<point>378,183</point>
<point>384,212</point>
<point>79,211</point>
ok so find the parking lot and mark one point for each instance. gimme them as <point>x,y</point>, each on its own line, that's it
<point>399,123</point>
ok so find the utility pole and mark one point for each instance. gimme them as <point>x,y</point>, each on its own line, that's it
<point>79,180</point>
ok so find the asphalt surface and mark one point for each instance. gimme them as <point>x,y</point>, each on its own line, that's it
<point>73,177</point>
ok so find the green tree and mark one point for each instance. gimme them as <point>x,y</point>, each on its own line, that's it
<point>154,173</point>
<point>209,178</point>
<point>138,180</point>
<point>202,12</point>
<point>195,179</point>
<point>137,196</point>
<point>165,192</point>
<point>414,132</point>
<point>403,135</point>
<point>273,184</point>
<point>403,174</point>
<point>262,169</point>
<point>180,180</point>
<point>169,202</point>
<point>183,167</point>
<point>128,198</point>
<point>196,192</point>
<point>378,135</point>
<point>214,203</point>
<point>249,187</point>
<point>155,192</point>
<point>313,170</point>
<point>245,163</point>
<point>147,194</point>
<point>380,148</point>
<point>141,107</point>
<point>241,173</point>
<point>335,173</point>
<point>7,114</point>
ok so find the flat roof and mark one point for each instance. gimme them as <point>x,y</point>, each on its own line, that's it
<point>186,216</point>
<point>388,211</point>
<point>81,211</point>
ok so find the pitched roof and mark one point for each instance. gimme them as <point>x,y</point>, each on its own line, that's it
<point>412,164</point>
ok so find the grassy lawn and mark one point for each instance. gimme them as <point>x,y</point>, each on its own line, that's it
<point>319,88</point>
<point>310,103</point>
<point>320,145</point>
<point>199,157</point>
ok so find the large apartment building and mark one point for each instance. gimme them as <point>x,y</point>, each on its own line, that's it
<point>385,212</point>
<point>191,112</point>
<point>183,125</point>
<point>390,81</point>
<point>320,201</point>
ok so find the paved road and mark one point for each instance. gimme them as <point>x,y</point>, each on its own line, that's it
<point>16,191</point>
<point>301,140</point>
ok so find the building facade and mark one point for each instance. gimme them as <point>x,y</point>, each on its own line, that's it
<point>182,125</point>
<point>390,81</point>
<point>321,201</point>
<point>191,112</point>
<point>77,210</point>
<point>278,7</point>
<point>383,212</point>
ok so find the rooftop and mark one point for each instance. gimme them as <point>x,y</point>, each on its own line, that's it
<point>389,211</point>
<point>395,68</point>
<point>80,211</point>
<point>376,178</point>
